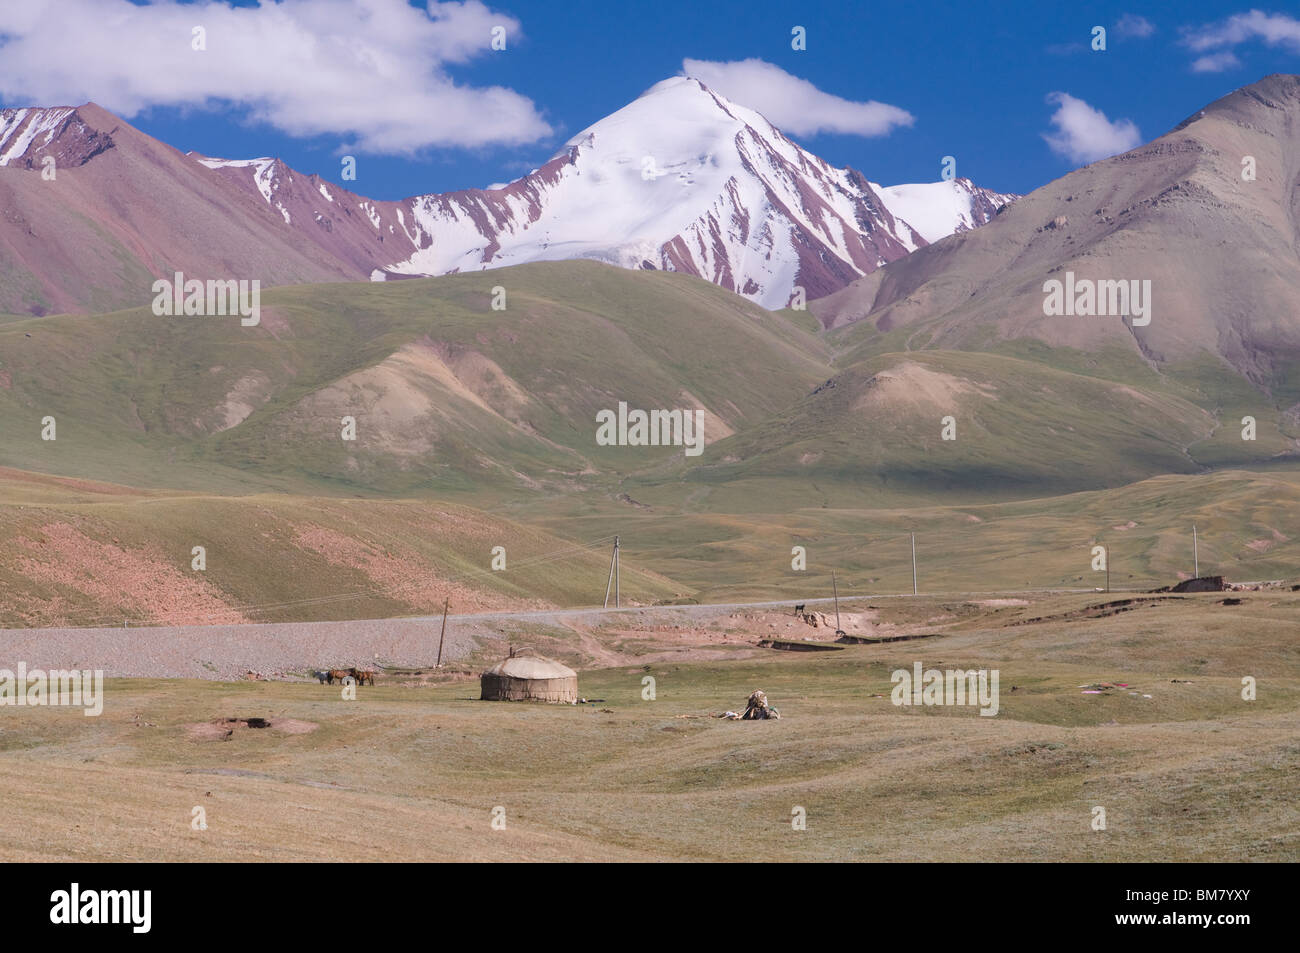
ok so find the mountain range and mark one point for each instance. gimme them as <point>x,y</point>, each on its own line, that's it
<point>821,414</point>
<point>450,394</point>
<point>679,180</point>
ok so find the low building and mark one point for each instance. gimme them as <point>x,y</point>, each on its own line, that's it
<point>527,676</point>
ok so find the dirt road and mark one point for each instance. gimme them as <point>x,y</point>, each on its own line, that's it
<point>229,651</point>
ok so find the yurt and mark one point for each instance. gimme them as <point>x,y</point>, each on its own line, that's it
<point>527,676</point>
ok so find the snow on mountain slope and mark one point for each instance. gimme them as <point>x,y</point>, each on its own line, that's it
<point>20,127</point>
<point>680,179</point>
<point>684,180</point>
<point>938,209</point>
<point>28,135</point>
<point>263,177</point>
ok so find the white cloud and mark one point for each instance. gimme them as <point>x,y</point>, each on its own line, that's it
<point>1275,29</point>
<point>1084,134</point>
<point>370,71</point>
<point>793,104</point>
<point>1133,25</point>
<point>1215,62</point>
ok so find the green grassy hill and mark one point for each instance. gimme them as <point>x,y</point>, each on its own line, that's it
<point>78,553</point>
<point>73,553</point>
<point>1248,524</point>
<point>1018,428</point>
<point>452,398</point>
<point>448,394</point>
<point>230,437</point>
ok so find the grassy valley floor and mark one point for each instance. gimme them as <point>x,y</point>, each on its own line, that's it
<point>414,767</point>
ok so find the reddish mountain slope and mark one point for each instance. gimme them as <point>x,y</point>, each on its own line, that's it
<point>1221,253</point>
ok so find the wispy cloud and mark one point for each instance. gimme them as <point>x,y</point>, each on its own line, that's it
<point>793,104</point>
<point>1215,62</point>
<point>373,72</point>
<point>1217,41</point>
<point>1084,134</point>
<point>1134,26</point>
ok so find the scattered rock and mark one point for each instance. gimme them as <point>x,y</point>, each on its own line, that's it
<point>223,729</point>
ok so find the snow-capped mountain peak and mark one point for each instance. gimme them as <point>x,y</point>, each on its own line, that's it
<point>680,179</point>
<point>683,179</point>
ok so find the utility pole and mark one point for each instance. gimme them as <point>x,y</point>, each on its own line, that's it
<point>613,568</point>
<point>1107,548</point>
<point>913,564</point>
<point>618,571</point>
<point>836,590</point>
<point>1196,556</point>
<point>445,606</point>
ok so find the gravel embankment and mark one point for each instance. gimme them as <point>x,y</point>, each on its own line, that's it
<point>230,651</point>
<point>226,652</point>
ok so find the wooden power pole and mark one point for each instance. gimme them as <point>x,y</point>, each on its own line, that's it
<point>836,590</point>
<point>913,564</point>
<point>445,606</point>
<point>1196,555</point>
<point>613,576</point>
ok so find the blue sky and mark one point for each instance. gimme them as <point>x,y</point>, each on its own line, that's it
<point>426,105</point>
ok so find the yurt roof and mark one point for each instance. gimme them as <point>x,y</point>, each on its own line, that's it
<point>531,667</point>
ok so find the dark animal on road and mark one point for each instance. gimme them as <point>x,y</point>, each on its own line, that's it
<point>799,608</point>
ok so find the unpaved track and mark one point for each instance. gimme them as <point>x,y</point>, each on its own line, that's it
<point>229,651</point>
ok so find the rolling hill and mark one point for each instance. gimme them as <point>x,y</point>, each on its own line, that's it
<point>448,394</point>
<point>451,397</point>
<point>1017,428</point>
<point>82,553</point>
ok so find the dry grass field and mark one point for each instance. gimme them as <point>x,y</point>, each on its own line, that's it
<point>413,768</point>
